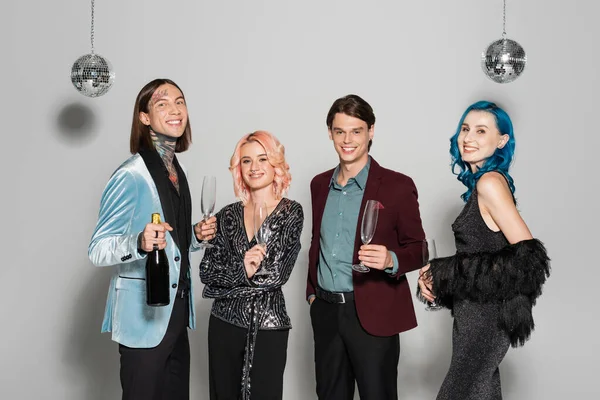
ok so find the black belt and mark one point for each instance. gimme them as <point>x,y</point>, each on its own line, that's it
<point>182,292</point>
<point>334,297</point>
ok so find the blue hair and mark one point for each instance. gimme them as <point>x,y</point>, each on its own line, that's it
<point>501,159</point>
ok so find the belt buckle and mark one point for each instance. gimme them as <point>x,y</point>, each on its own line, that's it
<point>343,298</point>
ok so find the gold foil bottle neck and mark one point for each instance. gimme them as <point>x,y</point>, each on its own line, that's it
<point>156,218</point>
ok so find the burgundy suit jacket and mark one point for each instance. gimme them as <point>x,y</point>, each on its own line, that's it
<point>383,301</point>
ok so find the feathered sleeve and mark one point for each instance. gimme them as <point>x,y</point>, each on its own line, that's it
<point>512,276</point>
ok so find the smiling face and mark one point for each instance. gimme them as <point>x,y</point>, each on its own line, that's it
<point>479,138</point>
<point>167,111</point>
<point>350,138</point>
<point>256,170</point>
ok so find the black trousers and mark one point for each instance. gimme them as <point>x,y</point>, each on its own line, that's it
<point>162,372</point>
<point>226,344</point>
<point>345,353</point>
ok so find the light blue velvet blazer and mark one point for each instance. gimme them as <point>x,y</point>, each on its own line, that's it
<point>127,204</point>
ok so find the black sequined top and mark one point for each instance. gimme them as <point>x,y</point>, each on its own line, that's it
<point>471,233</point>
<point>239,300</point>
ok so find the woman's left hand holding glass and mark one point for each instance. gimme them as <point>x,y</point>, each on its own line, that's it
<point>253,258</point>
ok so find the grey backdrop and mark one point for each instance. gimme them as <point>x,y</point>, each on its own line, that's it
<point>278,65</point>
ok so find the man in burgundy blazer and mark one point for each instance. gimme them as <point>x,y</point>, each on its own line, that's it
<point>356,317</point>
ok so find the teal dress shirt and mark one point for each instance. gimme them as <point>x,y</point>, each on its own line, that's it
<point>338,232</point>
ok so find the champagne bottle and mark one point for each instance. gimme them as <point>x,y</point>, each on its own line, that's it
<point>157,274</point>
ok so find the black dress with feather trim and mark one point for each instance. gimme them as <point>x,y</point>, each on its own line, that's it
<point>490,286</point>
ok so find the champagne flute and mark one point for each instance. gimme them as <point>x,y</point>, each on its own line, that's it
<point>367,229</point>
<point>429,253</point>
<point>207,203</point>
<point>262,232</point>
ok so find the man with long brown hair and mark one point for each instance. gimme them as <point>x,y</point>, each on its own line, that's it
<point>153,341</point>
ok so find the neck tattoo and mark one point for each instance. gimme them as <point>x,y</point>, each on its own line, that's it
<point>165,147</point>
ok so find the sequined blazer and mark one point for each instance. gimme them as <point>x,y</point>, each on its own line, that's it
<point>238,299</point>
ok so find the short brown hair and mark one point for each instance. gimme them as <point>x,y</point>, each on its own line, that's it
<point>140,133</point>
<point>354,106</point>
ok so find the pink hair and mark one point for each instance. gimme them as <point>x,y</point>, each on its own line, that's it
<point>276,156</point>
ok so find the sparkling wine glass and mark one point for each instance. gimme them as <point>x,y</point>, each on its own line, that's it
<point>429,253</point>
<point>262,231</point>
<point>207,203</point>
<point>367,229</point>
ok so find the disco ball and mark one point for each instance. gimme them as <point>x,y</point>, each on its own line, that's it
<point>92,75</point>
<point>503,61</point>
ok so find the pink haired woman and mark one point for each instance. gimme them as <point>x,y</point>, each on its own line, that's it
<point>249,325</point>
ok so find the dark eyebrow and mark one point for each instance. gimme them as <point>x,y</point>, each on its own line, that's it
<point>167,98</point>
<point>479,126</point>
<point>358,128</point>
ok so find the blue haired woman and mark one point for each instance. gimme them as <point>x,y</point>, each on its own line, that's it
<point>497,273</point>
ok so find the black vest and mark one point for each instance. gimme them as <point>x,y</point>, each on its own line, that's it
<point>177,207</point>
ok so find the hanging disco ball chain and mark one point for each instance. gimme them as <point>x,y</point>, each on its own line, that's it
<point>503,60</point>
<point>92,75</point>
